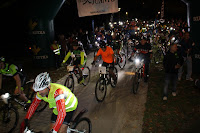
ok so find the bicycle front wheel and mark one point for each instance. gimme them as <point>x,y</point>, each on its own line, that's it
<point>100,90</point>
<point>113,82</point>
<point>83,125</point>
<point>136,81</point>
<point>69,83</point>
<point>86,75</point>
<point>9,118</point>
<point>122,61</point>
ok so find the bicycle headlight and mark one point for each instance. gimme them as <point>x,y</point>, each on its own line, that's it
<point>5,96</point>
<point>137,61</point>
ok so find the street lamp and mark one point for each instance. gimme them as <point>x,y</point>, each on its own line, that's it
<point>159,12</point>
<point>119,9</point>
<point>126,13</point>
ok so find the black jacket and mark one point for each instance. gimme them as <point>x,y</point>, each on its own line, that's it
<point>170,61</point>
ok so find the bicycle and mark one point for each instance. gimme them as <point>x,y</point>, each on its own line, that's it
<point>75,125</point>
<point>139,72</point>
<point>160,53</point>
<point>104,80</point>
<point>9,115</point>
<point>73,71</point>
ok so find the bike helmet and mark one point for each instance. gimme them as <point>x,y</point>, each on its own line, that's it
<point>102,44</point>
<point>75,43</point>
<point>2,59</point>
<point>42,81</point>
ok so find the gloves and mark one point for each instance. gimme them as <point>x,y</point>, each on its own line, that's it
<point>23,125</point>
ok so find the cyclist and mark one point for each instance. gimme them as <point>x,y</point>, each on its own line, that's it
<point>146,53</point>
<point>107,55</point>
<point>11,70</point>
<point>59,97</point>
<point>80,59</point>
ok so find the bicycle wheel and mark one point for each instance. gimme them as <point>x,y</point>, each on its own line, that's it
<point>136,81</point>
<point>100,90</point>
<point>69,83</point>
<point>42,104</point>
<point>113,83</point>
<point>9,118</point>
<point>157,57</point>
<point>86,75</point>
<point>83,125</point>
<point>122,61</point>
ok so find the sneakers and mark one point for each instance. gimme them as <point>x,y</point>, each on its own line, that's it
<point>164,98</point>
<point>190,79</point>
<point>29,101</point>
<point>173,94</point>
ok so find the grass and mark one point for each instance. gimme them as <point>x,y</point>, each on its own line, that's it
<point>177,114</point>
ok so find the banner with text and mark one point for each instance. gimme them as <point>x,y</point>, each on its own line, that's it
<point>96,7</point>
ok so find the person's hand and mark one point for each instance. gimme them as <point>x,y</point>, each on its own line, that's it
<point>62,64</point>
<point>23,125</point>
<point>177,66</point>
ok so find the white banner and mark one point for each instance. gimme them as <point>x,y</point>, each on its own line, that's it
<point>96,7</point>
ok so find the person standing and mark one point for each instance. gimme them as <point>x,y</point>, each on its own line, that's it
<point>55,47</point>
<point>171,62</point>
<point>63,43</point>
<point>186,48</point>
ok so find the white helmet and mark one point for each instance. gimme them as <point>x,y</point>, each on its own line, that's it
<point>42,81</point>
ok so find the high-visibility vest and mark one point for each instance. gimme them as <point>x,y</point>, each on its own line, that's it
<point>56,48</point>
<point>71,101</point>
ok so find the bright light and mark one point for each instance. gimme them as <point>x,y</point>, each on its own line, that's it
<point>110,23</point>
<point>158,12</point>
<point>173,38</point>
<point>147,25</point>
<point>120,23</point>
<point>171,28</point>
<point>115,22</point>
<point>100,65</point>
<point>6,95</point>
<point>126,13</point>
<point>138,28</point>
<point>137,61</point>
<point>119,9</point>
<point>136,19</point>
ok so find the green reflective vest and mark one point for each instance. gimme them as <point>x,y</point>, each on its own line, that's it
<point>71,101</point>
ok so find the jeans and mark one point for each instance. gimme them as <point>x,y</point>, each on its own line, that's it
<point>188,60</point>
<point>170,77</point>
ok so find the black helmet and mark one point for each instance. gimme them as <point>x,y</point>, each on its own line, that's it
<point>102,44</point>
<point>75,43</point>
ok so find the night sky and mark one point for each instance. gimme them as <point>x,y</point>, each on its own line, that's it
<point>144,9</point>
<point>67,20</point>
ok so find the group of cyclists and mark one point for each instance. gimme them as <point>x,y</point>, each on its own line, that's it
<point>114,39</point>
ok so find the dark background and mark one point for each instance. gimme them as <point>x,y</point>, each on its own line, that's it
<point>12,24</point>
